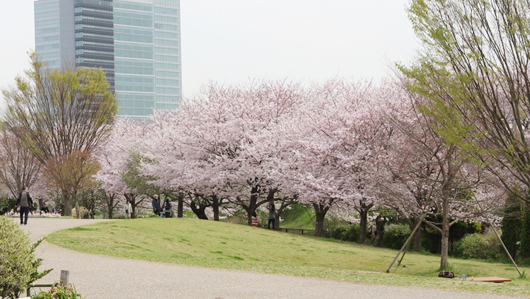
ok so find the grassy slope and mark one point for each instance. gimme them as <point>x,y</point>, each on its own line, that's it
<point>299,216</point>
<point>230,246</point>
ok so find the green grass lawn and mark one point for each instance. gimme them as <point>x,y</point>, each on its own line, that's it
<point>299,216</point>
<point>231,246</point>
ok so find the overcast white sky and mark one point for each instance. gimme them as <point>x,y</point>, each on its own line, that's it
<point>230,41</point>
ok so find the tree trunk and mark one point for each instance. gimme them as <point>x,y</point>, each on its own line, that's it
<point>416,240</point>
<point>133,211</point>
<point>215,206</point>
<point>77,211</point>
<point>250,211</point>
<point>67,204</point>
<point>180,207</point>
<point>363,213</point>
<point>276,221</point>
<point>364,222</point>
<point>110,205</point>
<point>252,206</point>
<point>320,213</point>
<point>41,201</point>
<point>199,210</point>
<point>285,203</point>
<point>445,234</point>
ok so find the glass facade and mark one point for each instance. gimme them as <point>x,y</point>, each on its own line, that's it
<point>94,36</point>
<point>136,42</point>
<point>147,55</point>
<point>47,33</point>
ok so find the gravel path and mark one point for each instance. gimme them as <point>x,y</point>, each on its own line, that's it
<point>101,277</point>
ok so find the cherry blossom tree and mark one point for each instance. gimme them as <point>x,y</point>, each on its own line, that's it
<point>210,148</point>
<point>181,161</point>
<point>114,155</point>
<point>348,146</point>
<point>334,149</point>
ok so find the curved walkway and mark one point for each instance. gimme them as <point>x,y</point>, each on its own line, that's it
<point>101,277</point>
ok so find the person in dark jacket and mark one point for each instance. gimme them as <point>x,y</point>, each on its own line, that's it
<point>380,222</point>
<point>167,207</point>
<point>156,205</point>
<point>24,201</point>
<point>44,209</point>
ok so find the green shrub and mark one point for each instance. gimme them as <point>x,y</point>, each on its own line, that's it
<point>59,292</point>
<point>348,233</point>
<point>6,204</point>
<point>330,223</point>
<point>337,232</point>
<point>83,212</point>
<point>478,246</point>
<point>460,229</point>
<point>396,235</point>
<point>18,266</point>
<point>352,233</point>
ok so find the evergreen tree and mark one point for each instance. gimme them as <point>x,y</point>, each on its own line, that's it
<point>512,224</point>
<point>524,250</point>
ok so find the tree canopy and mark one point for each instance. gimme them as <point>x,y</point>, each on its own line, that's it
<point>474,72</point>
<point>57,113</point>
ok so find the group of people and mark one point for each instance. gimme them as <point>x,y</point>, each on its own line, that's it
<point>25,202</point>
<point>161,210</point>
<point>25,205</point>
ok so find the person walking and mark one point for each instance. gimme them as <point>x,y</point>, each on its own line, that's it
<point>272,214</point>
<point>24,201</point>
<point>156,206</point>
<point>380,221</point>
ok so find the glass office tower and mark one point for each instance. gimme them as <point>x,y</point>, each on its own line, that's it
<point>94,36</point>
<point>48,33</point>
<point>136,43</point>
